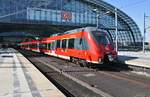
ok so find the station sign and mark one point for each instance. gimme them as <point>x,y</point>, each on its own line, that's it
<point>66,15</point>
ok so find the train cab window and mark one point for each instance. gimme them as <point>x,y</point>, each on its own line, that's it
<point>101,37</point>
<point>58,44</point>
<point>71,43</point>
<point>64,42</point>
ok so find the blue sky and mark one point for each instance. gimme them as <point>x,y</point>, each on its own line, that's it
<point>135,9</point>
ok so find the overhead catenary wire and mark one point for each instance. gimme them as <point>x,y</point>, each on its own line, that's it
<point>11,14</point>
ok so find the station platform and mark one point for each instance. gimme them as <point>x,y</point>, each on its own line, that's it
<point>135,58</point>
<point>19,77</point>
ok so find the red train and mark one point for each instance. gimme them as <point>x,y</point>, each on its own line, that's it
<point>82,46</point>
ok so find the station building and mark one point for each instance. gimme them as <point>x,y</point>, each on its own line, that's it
<point>63,15</point>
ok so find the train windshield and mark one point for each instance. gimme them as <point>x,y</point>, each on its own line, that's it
<point>101,37</point>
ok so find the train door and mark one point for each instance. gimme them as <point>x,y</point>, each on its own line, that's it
<point>53,48</point>
<point>49,47</point>
<point>63,49</point>
<point>81,48</point>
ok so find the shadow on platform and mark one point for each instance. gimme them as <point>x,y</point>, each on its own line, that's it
<point>126,58</point>
<point>113,67</point>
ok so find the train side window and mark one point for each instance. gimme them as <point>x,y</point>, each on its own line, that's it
<point>71,43</point>
<point>53,45</point>
<point>49,46</point>
<point>78,43</point>
<point>35,45</point>
<point>85,45</point>
<point>43,46</point>
<point>58,44</point>
<point>64,43</point>
<point>81,44</point>
<point>55,42</point>
<point>29,45</point>
<point>40,45</point>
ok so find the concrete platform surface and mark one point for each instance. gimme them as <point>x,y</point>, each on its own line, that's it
<point>135,58</point>
<point>19,78</point>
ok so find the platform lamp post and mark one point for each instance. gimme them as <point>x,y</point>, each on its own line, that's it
<point>144,32</point>
<point>98,15</point>
<point>116,29</point>
<point>38,44</point>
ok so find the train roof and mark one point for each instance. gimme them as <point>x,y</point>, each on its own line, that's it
<point>87,29</point>
<point>29,42</point>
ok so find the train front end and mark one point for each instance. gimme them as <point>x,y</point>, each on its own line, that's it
<point>102,46</point>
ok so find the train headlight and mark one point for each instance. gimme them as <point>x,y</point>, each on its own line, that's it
<point>110,58</point>
<point>101,61</point>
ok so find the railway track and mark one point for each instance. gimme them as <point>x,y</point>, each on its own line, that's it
<point>89,78</point>
<point>57,79</point>
<point>58,85</point>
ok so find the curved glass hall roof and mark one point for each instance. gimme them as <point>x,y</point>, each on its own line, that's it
<point>73,12</point>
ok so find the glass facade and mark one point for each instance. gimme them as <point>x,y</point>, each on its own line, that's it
<point>73,12</point>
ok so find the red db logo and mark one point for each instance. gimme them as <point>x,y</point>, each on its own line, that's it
<point>66,15</point>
